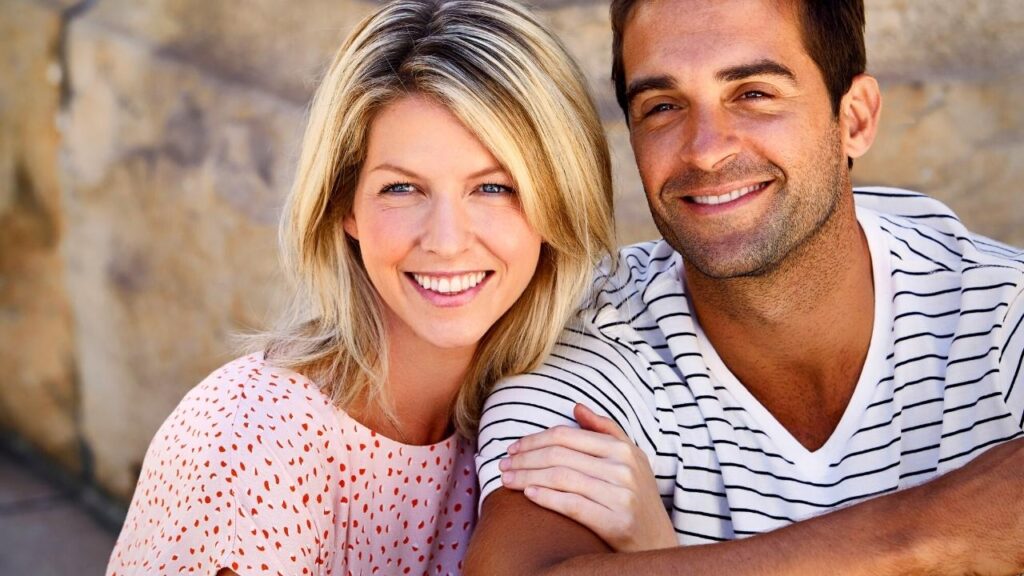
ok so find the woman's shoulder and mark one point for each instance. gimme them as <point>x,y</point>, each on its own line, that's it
<point>250,413</point>
<point>242,377</point>
<point>249,394</point>
<point>245,457</point>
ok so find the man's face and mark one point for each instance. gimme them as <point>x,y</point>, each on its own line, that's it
<point>730,120</point>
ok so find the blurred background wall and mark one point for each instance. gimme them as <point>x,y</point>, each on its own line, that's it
<point>146,146</point>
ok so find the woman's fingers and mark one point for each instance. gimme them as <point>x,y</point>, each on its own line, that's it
<point>613,513</point>
<point>588,442</point>
<point>597,436</point>
<point>594,475</point>
<point>590,420</point>
<point>574,506</point>
<point>555,457</point>
<point>570,481</point>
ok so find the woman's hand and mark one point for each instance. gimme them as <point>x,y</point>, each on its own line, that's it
<point>597,477</point>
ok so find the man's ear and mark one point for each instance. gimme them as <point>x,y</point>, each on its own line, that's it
<point>859,112</point>
<point>349,224</point>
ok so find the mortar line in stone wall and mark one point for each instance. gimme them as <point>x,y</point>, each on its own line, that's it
<point>216,76</point>
<point>67,16</point>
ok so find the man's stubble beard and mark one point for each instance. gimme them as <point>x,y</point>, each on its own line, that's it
<point>804,202</point>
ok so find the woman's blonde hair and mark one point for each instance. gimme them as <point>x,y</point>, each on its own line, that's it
<point>512,84</point>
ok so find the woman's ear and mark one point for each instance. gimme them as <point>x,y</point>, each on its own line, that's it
<point>859,112</point>
<point>349,224</point>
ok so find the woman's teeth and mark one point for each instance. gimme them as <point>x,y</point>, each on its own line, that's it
<point>728,197</point>
<point>449,284</point>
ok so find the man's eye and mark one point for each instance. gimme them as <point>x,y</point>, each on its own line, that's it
<point>658,108</point>
<point>398,188</point>
<point>495,189</point>
<point>753,95</point>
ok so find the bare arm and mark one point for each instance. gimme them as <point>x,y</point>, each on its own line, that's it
<point>970,521</point>
<point>515,536</point>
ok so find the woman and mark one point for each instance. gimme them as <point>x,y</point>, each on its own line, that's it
<point>452,196</point>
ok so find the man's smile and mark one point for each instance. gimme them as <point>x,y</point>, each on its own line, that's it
<point>713,199</point>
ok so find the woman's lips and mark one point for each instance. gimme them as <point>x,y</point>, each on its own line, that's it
<point>449,290</point>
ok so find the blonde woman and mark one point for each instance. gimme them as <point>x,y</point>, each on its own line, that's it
<point>452,197</point>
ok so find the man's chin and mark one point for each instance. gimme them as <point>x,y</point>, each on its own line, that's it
<point>728,260</point>
<point>729,271</point>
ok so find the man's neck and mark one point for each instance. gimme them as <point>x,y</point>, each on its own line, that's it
<point>797,337</point>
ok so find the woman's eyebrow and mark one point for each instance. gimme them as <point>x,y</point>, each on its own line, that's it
<point>393,168</point>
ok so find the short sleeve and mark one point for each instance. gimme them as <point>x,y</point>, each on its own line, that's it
<point>229,482</point>
<point>583,368</point>
<point>1011,359</point>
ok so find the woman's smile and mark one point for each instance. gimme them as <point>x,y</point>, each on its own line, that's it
<point>449,290</point>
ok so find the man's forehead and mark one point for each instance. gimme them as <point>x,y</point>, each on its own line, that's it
<point>698,10</point>
<point>711,33</point>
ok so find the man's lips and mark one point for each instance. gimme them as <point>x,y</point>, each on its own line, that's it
<point>726,194</point>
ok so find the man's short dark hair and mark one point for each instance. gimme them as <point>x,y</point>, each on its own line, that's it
<point>833,35</point>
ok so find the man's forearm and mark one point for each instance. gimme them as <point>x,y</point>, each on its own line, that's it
<point>970,521</point>
<point>850,541</point>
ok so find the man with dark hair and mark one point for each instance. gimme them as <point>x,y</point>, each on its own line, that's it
<point>822,380</point>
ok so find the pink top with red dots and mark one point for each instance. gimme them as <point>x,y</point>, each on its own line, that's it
<point>257,471</point>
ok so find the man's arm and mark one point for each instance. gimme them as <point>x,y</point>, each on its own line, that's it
<point>970,521</point>
<point>515,536</point>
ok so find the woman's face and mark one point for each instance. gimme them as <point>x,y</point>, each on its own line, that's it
<point>439,226</point>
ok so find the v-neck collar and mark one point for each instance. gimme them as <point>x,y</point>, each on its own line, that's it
<point>817,462</point>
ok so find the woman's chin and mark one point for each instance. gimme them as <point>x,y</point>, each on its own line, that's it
<point>453,342</point>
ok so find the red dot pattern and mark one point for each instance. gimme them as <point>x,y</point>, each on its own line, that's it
<point>257,471</point>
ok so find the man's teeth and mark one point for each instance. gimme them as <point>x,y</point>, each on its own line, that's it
<point>449,284</point>
<point>728,197</point>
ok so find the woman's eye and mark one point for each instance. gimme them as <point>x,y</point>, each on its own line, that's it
<point>496,189</point>
<point>398,188</point>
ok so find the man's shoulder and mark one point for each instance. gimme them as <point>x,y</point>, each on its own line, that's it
<point>633,268</point>
<point>928,234</point>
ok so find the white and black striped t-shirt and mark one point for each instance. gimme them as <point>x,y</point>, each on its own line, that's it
<point>942,381</point>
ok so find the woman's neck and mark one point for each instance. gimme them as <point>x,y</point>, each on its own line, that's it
<point>422,384</point>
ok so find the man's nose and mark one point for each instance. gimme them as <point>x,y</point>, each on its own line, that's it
<point>710,140</point>
<point>448,227</point>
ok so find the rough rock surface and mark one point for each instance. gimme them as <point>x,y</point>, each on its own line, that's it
<point>38,398</point>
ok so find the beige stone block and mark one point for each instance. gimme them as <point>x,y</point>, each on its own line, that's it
<point>171,231</point>
<point>280,47</point>
<point>926,40</point>
<point>960,142</point>
<point>38,398</point>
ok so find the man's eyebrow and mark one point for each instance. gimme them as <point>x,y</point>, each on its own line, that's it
<point>640,85</point>
<point>759,68</point>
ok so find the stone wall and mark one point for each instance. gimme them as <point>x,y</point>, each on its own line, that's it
<point>145,148</point>
<point>38,388</point>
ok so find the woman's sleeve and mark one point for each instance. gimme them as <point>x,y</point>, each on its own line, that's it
<point>225,485</point>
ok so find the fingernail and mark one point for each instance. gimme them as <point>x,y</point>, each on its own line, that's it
<point>507,478</point>
<point>513,448</point>
<point>530,491</point>
<point>503,464</point>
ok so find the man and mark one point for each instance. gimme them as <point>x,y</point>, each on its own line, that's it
<point>791,347</point>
